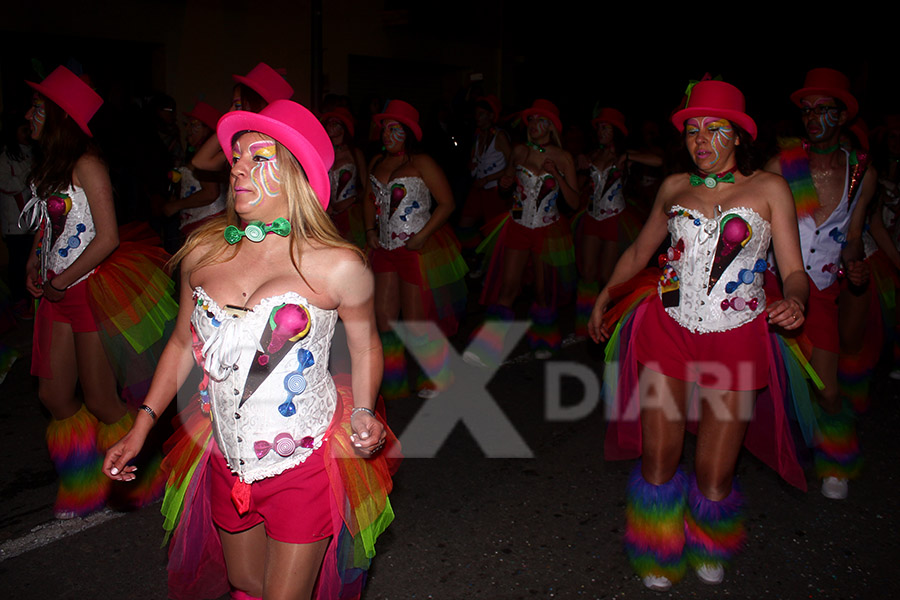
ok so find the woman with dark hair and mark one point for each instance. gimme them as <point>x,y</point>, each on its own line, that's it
<point>278,472</point>
<point>252,92</point>
<point>96,306</point>
<point>419,272</point>
<point>705,333</point>
<point>347,176</point>
<point>16,159</point>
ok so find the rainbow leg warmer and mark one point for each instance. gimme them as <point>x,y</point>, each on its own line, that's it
<point>714,530</point>
<point>837,447</point>
<point>585,297</point>
<point>544,331</point>
<point>394,383</point>
<point>434,358</point>
<point>654,529</point>
<point>72,442</point>
<point>855,375</point>
<point>150,483</point>
<point>489,340</point>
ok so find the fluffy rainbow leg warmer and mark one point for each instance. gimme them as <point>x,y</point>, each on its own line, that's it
<point>714,530</point>
<point>150,483</point>
<point>654,528</point>
<point>434,358</point>
<point>544,331</point>
<point>855,375</point>
<point>394,383</point>
<point>585,297</point>
<point>83,487</point>
<point>489,340</point>
<point>837,447</point>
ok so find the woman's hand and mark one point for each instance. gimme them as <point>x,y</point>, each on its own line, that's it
<point>550,166</point>
<point>368,434</point>
<point>372,239</point>
<point>115,464</point>
<point>52,293</point>
<point>33,280</point>
<point>596,329</point>
<point>787,313</point>
<point>416,242</point>
<point>857,272</point>
<point>506,182</point>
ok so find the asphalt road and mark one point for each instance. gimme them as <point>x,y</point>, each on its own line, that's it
<point>471,527</point>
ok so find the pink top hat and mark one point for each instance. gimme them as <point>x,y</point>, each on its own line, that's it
<point>205,113</point>
<point>72,94</point>
<point>398,110</point>
<point>267,82</point>
<point>492,101</point>
<point>613,117</point>
<point>544,108</point>
<point>295,128</point>
<point>715,99</point>
<point>828,82</point>
<point>343,115</point>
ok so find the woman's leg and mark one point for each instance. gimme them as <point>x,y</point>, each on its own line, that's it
<point>511,283</point>
<point>609,255</point>
<point>245,559</point>
<point>430,349</point>
<point>714,523</point>
<point>654,534</point>
<point>58,393</point>
<point>292,569</point>
<point>98,382</point>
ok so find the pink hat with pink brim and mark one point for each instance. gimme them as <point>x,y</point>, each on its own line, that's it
<point>827,82</point>
<point>72,94</point>
<point>343,115</point>
<point>205,113</point>
<point>713,98</point>
<point>401,111</point>
<point>267,82</point>
<point>297,129</point>
<point>546,109</point>
<point>613,117</point>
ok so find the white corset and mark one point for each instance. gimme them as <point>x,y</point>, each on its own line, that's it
<point>191,185</point>
<point>343,182</point>
<point>607,200</point>
<point>713,274</point>
<point>272,398</point>
<point>409,216</point>
<point>534,201</point>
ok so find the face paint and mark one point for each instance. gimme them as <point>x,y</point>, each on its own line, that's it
<point>721,136</point>
<point>820,117</point>
<point>264,175</point>
<point>604,133</point>
<point>38,116</point>
<point>393,137</point>
<point>538,126</point>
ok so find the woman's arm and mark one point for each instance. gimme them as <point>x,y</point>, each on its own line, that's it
<point>207,194</point>
<point>437,184</point>
<point>210,156</point>
<point>91,175</point>
<point>175,364</point>
<point>786,313</point>
<point>563,169</point>
<point>357,311</point>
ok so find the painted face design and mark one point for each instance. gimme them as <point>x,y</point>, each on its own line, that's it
<point>820,116</point>
<point>38,116</point>
<point>604,133</point>
<point>264,175</point>
<point>538,126</point>
<point>236,102</point>
<point>719,132</point>
<point>393,136</point>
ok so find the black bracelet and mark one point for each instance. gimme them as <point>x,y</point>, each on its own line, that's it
<point>149,411</point>
<point>61,291</point>
<point>371,229</point>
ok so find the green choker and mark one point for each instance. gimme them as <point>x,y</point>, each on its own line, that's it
<point>256,231</point>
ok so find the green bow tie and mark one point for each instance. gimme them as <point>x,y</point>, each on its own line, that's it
<point>711,181</point>
<point>256,230</point>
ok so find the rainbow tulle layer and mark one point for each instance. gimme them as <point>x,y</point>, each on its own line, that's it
<point>443,272</point>
<point>359,502</point>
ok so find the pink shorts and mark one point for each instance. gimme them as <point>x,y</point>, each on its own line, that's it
<point>294,506</point>
<point>821,325</point>
<point>74,310</point>
<point>736,359</point>
<point>607,229</point>
<point>406,263</point>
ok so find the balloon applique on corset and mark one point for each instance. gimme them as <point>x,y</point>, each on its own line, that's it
<point>58,207</point>
<point>735,233</point>
<point>287,323</point>
<point>398,193</point>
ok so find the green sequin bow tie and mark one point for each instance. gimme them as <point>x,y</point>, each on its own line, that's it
<point>256,230</point>
<point>711,181</point>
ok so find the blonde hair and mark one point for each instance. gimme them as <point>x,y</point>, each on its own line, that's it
<point>309,223</point>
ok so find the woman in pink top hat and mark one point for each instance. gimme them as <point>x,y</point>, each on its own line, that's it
<point>278,472</point>
<point>348,176</point>
<point>702,332</point>
<point>252,92</point>
<point>418,268</point>
<point>92,297</point>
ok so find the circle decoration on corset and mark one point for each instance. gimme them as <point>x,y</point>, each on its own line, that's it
<point>295,383</point>
<point>285,444</point>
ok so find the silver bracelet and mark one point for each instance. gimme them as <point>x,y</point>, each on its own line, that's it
<point>149,411</point>
<point>362,409</point>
